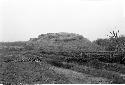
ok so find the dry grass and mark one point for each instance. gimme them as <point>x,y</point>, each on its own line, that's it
<point>115,77</point>
<point>80,78</point>
<point>29,72</point>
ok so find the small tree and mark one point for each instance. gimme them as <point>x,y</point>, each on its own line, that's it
<point>113,46</point>
<point>116,42</point>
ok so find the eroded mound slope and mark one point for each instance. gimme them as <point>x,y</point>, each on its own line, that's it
<point>62,42</point>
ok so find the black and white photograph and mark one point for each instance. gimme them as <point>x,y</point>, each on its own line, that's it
<point>62,42</point>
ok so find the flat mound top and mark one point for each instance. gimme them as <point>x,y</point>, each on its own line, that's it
<point>58,36</point>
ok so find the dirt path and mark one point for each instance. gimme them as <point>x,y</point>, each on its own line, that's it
<point>80,78</point>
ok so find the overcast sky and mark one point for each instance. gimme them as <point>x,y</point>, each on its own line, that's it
<point>24,19</point>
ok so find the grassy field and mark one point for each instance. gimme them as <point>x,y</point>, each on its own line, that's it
<point>16,68</point>
<point>22,67</point>
<point>22,63</point>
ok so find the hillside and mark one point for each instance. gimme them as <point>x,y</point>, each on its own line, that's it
<point>55,58</point>
<point>62,42</point>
